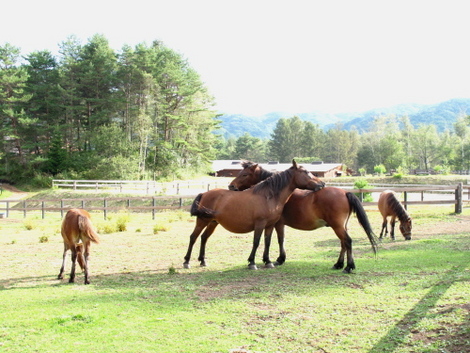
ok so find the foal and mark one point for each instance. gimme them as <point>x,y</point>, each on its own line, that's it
<point>390,206</point>
<point>78,233</point>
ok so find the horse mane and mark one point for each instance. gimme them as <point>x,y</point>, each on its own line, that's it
<point>264,173</point>
<point>398,208</point>
<point>271,187</point>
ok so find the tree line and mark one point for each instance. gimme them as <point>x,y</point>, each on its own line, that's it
<point>392,143</point>
<point>93,113</point>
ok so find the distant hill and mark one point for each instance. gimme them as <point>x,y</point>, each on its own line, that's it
<point>443,115</point>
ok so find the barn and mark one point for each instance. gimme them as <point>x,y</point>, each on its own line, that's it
<point>231,168</point>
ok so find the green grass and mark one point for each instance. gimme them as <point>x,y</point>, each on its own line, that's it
<point>414,297</point>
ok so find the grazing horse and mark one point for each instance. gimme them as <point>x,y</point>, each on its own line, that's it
<point>78,233</point>
<point>256,209</point>
<point>307,210</point>
<point>390,206</point>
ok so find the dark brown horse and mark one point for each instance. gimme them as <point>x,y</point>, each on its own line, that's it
<point>78,233</point>
<point>256,209</point>
<point>306,210</point>
<point>390,206</point>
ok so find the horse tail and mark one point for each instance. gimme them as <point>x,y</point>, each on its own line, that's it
<point>361,215</point>
<point>86,229</point>
<point>80,258</point>
<point>199,210</point>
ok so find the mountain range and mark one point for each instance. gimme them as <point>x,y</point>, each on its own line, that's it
<point>443,115</point>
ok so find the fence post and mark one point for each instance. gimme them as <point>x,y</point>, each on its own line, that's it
<point>458,198</point>
<point>61,209</point>
<point>43,212</point>
<point>24,209</point>
<point>105,205</point>
<point>153,208</point>
<point>405,198</point>
<point>8,208</point>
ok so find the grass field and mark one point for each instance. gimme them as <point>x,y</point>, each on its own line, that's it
<point>414,297</point>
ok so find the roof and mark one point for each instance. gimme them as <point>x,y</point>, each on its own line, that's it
<point>274,166</point>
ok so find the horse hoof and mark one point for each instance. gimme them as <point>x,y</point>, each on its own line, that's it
<point>252,267</point>
<point>278,263</point>
<point>269,265</point>
<point>347,270</point>
<point>186,265</point>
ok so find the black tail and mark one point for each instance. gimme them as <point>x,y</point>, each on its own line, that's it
<point>361,215</point>
<point>200,211</point>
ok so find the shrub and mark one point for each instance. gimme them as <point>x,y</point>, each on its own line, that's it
<point>380,169</point>
<point>363,184</point>
<point>160,228</point>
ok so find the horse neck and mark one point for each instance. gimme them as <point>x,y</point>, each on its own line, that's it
<point>401,212</point>
<point>278,186</point>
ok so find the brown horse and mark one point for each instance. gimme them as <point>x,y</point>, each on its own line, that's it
<point>390,206</point>
<point>78,233</point>
<point>306,210</point>
<point>256,209</point>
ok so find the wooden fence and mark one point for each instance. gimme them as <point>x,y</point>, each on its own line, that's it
<point>109,204</point>
<point>146,187</point>
<point>428,195</point>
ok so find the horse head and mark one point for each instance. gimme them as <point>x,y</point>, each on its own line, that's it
<point>405,228</point>
<point>304,179</point>
<point>249,176</point>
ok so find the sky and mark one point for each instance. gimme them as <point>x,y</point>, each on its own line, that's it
<point>293,56</point>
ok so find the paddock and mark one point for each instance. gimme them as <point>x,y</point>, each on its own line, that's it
<point>145,301</point>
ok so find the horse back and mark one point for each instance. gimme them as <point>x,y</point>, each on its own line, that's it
<point>384,203</point>
<point>310,210</point>
<point>77,226</point>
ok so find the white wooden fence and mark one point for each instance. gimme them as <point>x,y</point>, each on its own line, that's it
<point>145,187</point>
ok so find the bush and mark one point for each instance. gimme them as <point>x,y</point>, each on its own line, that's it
<point>380,169</point>
<point>363,184</point>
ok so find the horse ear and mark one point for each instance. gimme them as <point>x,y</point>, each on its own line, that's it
<point>253,167</point>
<point>294,164</point>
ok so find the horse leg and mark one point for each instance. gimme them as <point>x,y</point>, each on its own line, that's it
<point>384,228</point>
<point>279,226</point>
<point>392,228</point>
<point>268,232</point>
<point>256,240</point>
<point>62,269</point>
<point>204,237</point>
<point>74,260</point>
<point>200,225</point>
<point>85,255</point>
<point>349,256</point>
<point>346,249</point>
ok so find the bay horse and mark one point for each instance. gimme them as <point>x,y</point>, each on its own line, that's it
<point>256,209</point>
<point>307,210</point>
<point>78,233</point>
<point>390,206</point>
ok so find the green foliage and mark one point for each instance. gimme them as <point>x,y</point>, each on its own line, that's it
<point>363,184</point>
<point>380,169</point>
<point>95,113</point>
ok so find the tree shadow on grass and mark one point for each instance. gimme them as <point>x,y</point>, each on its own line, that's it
<point>409,324</point>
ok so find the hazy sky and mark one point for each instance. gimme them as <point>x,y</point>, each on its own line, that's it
<point>260,56</point>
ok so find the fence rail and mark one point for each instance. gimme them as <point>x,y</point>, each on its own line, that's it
<point>147,187</point>
<point>428,195</point>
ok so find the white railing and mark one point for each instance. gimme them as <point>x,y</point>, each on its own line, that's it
<point>147,187</point>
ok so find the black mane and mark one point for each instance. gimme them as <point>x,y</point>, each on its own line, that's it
<point>264,173</point>
<point>398,208</point>
<point>271,187</point>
